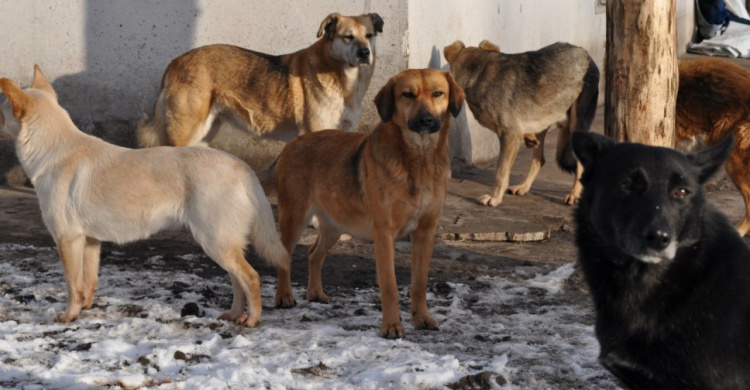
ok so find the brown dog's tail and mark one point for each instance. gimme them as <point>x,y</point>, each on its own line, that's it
<point>580,116</point>
<point>152,132</point>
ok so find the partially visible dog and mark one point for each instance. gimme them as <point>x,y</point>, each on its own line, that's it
<point>527,93</point>
<point>668,274</point>
<point>380,186</point>
<point>713,101</point>
<point>319,87</point>
<point>92,191</point>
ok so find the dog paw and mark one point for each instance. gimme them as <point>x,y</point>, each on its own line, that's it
<point>284,301</point>
<point>320,296</point>
<point>65,317</point>
<point>424,321</point>
<point>392,331</point>
<point>571,200</point>
<point>487,200</point>
<point>247,321</point>
<point>229,316</point>
<point>519,190</point>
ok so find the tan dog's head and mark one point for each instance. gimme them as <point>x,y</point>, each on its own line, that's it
<point>24,107</point>
<point>420,101</point>
<point>352,37</point>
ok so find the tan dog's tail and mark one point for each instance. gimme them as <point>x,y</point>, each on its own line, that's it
<point>263,234</point>
<point>153,132</point>
<point>580,116</point>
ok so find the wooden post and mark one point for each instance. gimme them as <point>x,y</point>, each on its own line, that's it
<point>641,71</point>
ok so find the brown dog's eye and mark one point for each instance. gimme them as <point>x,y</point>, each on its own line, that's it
<point>680,193</point>
<point>438,94</point>
<point>409,95</point>
<point>348,38</point>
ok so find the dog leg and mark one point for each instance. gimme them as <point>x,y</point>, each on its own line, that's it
<point>328,236</point>
<point>422,244</point>
<point>737,169</point>
<point>291,224</point>
<point>575,192</point>
<point>71,254</point>
<point>238,302</point>
<point>510,142</point>
<point>537,162</point>
<point>91,256</point>
<point>190,118</point>
<point>391,327</point>
<point>242,273</point>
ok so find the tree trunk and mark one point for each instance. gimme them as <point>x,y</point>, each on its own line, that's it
<point>641,71</point>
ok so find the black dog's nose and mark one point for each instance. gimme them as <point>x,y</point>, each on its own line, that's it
<point>363,52</point>
<point>658,239</point>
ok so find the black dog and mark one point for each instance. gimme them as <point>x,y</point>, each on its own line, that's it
<point>669,275</point>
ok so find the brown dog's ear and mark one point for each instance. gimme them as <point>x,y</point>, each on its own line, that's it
<point>40,82</point>
<point>20,100</point>
<point>487,45</point>
<point>451,51</point>
<point>328,25</point>
<point>377,22</point>
<point>385,103</point>
<point>456,99</point>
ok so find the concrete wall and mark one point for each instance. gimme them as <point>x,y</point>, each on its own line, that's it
<point>106,57</point>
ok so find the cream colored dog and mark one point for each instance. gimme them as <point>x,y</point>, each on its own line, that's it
<point>91,191</point>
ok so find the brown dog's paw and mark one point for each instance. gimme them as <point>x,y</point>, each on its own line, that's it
<point>425,321</point>
<point>392,331</point>
<point>519,190</point>
<point>486,200</point>
<point>284,301</point>
<point>65,317</point>
<point>319,296</point>
<point>571,200</point>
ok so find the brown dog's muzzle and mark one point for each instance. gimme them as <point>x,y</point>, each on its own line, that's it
<point>424,123</point>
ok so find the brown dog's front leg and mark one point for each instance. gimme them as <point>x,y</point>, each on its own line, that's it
<point>422,244</point>
<point>391,327</point>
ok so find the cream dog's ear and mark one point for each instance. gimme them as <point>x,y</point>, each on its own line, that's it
<point>40,82</point>
<point>18,98</point>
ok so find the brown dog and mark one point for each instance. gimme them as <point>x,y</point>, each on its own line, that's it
<point>713,101</point>
<point>380,186</point>
<point>527,93</point>
<point>320,87</point>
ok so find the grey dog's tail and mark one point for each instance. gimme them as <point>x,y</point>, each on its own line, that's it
<point>580,116</point>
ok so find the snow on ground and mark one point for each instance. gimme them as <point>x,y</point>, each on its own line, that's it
<point>509,334</point>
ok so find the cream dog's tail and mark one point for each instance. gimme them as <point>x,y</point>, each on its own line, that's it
<point>263,234</point>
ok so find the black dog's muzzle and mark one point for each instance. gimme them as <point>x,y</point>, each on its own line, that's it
<point>424,123</point>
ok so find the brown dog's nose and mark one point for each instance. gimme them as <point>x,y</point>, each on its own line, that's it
<point>363,53</point>
<point>424,123</point>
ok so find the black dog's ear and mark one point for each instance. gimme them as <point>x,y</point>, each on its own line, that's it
<point>588,146</point>
<point>377,22</point>
<point>385,102</point>
<point>328,25</point>
<point>710,160</point>
<point>456,99</point>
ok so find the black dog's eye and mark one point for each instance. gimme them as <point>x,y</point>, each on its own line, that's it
<point>368,36</point>
<point>409,95</point>
<point>438,94</point>
<point>680,193</point>
<point>348,38</point>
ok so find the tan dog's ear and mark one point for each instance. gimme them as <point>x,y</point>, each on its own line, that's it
<point>451,51</point>
<point>40,82</point>
<point>456,99</point>
<point>377,22</point>
<point>487,45</point>
<point>385,103</point>
<point>20,100</point>
<point>328,25</point>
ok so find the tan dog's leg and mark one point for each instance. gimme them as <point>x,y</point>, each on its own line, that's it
<point>189,110</point>
<point>510,142</point>
<point>241,273</point>
<point>422,244</point>
<point>328,236</point>
<point>71,254</point>
<point>575,192</point>
<point>391,327</point>
<point>537,162</point>
<point>91,256</point>
<point>738,169</point>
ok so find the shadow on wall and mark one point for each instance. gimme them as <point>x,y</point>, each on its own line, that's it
<point>459,139</point>
<point>127,43</point>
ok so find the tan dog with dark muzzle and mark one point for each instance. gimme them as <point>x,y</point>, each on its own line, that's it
<point>380,186</point>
